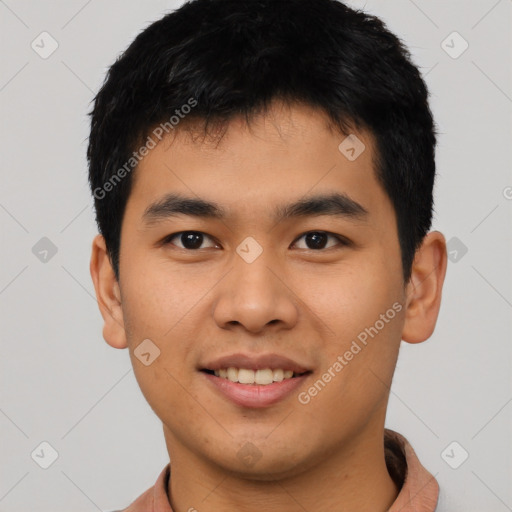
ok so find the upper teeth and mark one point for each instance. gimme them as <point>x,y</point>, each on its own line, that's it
<point>246,376</point>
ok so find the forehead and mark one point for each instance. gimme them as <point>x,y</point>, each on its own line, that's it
<point>285,154</point>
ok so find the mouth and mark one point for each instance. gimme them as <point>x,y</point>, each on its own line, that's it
<point>261,377</point>
<point>254,381</point>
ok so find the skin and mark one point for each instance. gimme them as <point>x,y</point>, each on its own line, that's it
<point>305,303</point>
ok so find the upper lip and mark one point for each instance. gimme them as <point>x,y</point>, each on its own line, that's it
<point>255,362</point>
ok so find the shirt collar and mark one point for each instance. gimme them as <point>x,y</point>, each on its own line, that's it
<point>419,490</point>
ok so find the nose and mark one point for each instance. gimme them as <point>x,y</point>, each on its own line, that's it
<point>255,295</point>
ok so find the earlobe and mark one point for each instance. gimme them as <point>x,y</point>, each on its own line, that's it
<point>108,294</point>
<point>425,288</point>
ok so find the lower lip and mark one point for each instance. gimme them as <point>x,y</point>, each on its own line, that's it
<point>255,395</point>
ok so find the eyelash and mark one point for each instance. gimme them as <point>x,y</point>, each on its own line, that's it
<point>343,242</point>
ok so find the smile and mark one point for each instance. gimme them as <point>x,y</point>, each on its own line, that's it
<point>262,377</point>
<point>253,394</point>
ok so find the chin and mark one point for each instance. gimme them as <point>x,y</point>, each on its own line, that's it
<point>265,465</point>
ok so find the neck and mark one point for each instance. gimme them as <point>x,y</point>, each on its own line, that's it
<point>354,478</point>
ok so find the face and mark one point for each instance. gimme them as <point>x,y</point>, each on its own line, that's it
<point>293,266</point>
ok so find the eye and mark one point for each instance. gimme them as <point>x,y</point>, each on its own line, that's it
<point>190,240</point>
<point>318,240</point>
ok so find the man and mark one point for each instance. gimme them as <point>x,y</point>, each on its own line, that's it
<point>263,175</point>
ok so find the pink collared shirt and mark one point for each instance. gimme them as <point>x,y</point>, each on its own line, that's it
<point>419,490</point>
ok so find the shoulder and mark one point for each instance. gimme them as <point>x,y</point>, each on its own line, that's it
<point>154,498</point>
<point>144,503</point>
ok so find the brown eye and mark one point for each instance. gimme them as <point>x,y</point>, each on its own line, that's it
<point>190,240</point>
<point>317,240</point>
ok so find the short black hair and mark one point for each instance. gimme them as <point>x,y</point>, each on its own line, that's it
<point>227,58</point>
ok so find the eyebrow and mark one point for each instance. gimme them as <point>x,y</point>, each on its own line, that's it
<point>335,204</point>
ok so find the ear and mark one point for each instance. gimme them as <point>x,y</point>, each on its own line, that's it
<point>424,289</point>
<point>108,294</point>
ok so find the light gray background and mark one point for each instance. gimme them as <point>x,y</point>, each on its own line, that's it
<point>61,383</point>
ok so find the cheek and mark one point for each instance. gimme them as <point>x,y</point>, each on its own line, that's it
<point>155,302</point>
<point>347,302</point>
<point>359,359</point>
<point>156,309</point>
<point>364,313</point>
